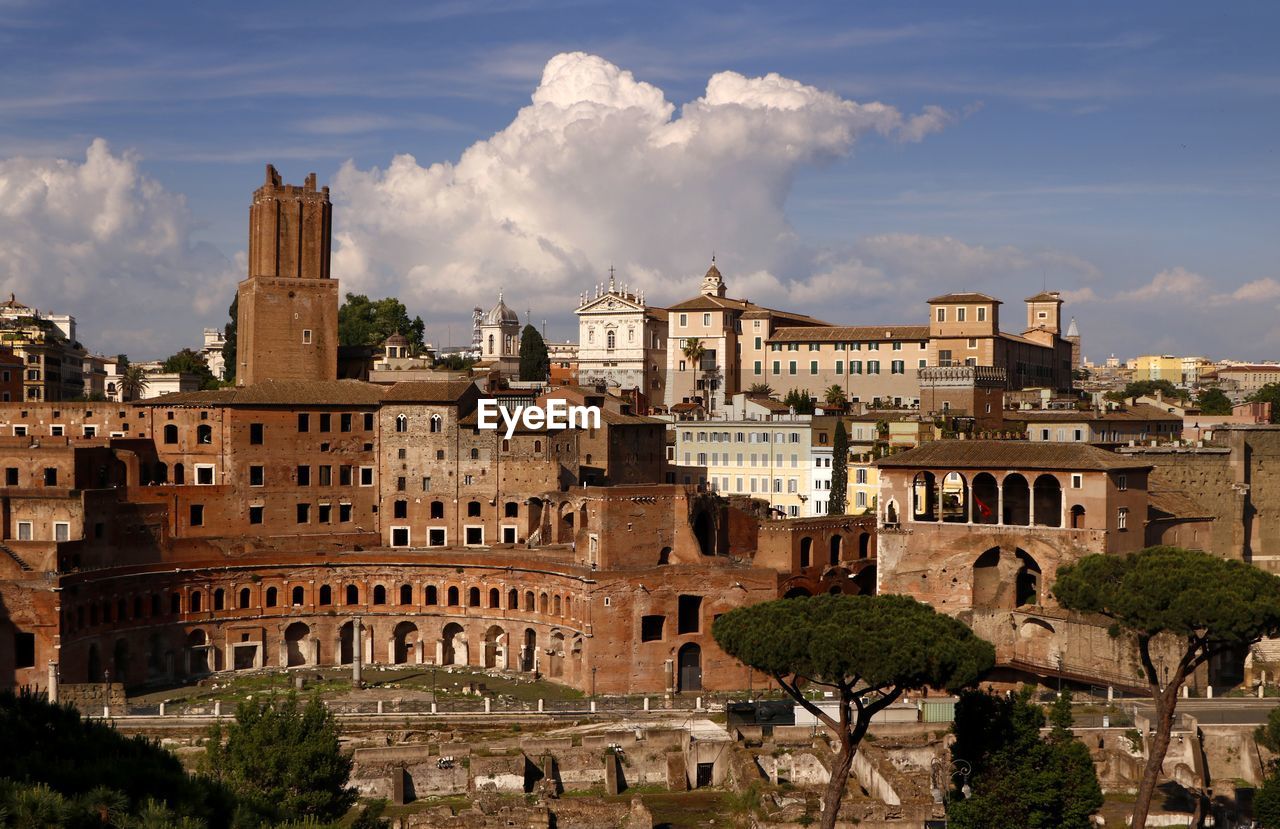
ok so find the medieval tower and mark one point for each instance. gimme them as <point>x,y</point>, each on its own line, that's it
<point>288,318</point>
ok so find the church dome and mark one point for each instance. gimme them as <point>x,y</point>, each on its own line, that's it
<point>397,339</point>
<point>501,314</point>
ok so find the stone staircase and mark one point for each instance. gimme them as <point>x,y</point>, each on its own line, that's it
<point>17,558</point>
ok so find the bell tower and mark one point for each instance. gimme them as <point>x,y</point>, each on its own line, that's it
<point>288,319</point>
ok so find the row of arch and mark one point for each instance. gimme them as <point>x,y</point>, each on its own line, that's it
<point>1011,501</point>
<point>92,614</point>
<point>835,549</point>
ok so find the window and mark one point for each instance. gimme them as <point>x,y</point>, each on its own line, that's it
<point>706,319</point>
<point>11,476</point>
<point>344,422</point>
<point>473,509</point>
<point>324,513</point>
<point>435,538</point>
<point>255,434</point>
<point>651,628</point>
<point>368,421</point>
<point>898,367</point>
<point>304,422</point>
<point>257,475</point>
<point>689,617</point>
<point>813,366</point>
<point>326,420</point>
<point>791,367</point>
<point>56,430</point>
<point>171,434</point>
<point>344,513</point>
<point>1122,518</point>
<point>1122,482</point>
<point>304,513</point>
<point>684,320</point>
<point>326,594</point>
<point>50,476</point>
<point>379,594</point>
<point>1077,481</point>
<point>474,536</point>
<point>437,509</point>
<point>941,314</point>
<point>255,515</point>
<point>860,475</point>
<point>197,515</point>
<point>272,595</point>
<point>758,365</point>
<point>61,531</point>
<point>982,314</point>
<point>366,476</point>
<point>204,434</point>
<point>204,474</point>
<point>960,313</point>
<point>402,423</point>
<point>326,475</point>
<point>344,475</point>
<point>353,594</point>
<point>873,366</point>
<point>400,509</point>
<point>306,336</point>
<point>777,367</point>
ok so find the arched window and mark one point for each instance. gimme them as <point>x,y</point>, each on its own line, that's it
<point>433,595</point>
<point>475,454</point>
<point>219,600</point>
<point>296,597</point>
<point>495,598</point>
<point>542,604</point>
<point>179,474</point>
<point>611,340</point>
<point>925,497</point>
<point>353,594</point>
<point>244,598</point>
<point>435,423</point>
<point>513,599</point>
<point>1047,501</point>
<point>379,594</point>
<point>195,601</point>
<point>1017,500</point>
<point>555,606</point>
<point>271,596</point>
<point>406,594</point>
<point>537,446</point>
<point>490,343</point>
<point>528,600</point>
<point>402,423</point>
<point>1077,517</point>
<point>473,509</point>
<point>170,434</point>
<point>437,509</point>
<point>511,509</point>
<point>806,552</point>
<point>326,594</point>
<point>453,597</point>
<point>473,597</point>
<point>204,433</point>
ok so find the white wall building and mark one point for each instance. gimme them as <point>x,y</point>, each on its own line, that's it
<point>622,343</point>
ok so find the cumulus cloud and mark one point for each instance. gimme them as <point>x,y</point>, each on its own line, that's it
<point>601,169</point>
<point>100,240</point>
<point>1174,283</point>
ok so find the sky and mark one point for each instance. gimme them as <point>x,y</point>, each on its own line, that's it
<point>847,160</point>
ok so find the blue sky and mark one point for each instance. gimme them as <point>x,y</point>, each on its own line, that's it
<point>1123,153</point>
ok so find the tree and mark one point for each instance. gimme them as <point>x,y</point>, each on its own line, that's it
<point>838,501</point>
<point>1018,778</point>
<point>187,361</point>
<point>694,351</point>
<point>534,362</point>
<point>1205,605</point>
<point>1214,402</point>
<point>835,397</point>
<point>761,389</point>
<point>362,321</point>
<point>283,760</point>
<point>133,382</point>
<point>1266,801</point>
<point>800,400</point>
<point>1270,393</point>
<point>1147,388</point>
<point>229,332</point>
<point>867,649</point>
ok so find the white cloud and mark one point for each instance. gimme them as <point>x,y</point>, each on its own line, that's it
<point>1171,284</point>
<point>101,241</point>
<point>1259,290</point>
<point>601,169</point>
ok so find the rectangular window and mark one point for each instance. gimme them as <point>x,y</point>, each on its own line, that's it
<point>257,475</point>
<point>839,366</point>
<point>19,431</point>
<point>304,475</point>
<point>304,513</point>
<point>982,314</point>
<point>706,320</point>
<point>61,531</point>
<point>255,515</point>
<point>326,475</point>
<point>813,366</point>
<point>399,536</point>
<point>757,366</point>
<point>326,421</point>
<point>435,536</point>
<point>197,515</point>
<point>255,434</point>
<point>204,474</point>
<point>473,536</point>
<point>304,422</point>
<point>855,366</point>
<point>344,422</point>
<point>324,513</point>
<point>344,475</point>
<point>960,314</point>
<point>306,336</point>
<point>1122,518</point>
<point>368,421</point>
<point>1077,481</point>
<point>24,530</point>
<point>860,476</point>
<point>344,513</point>
<point>777,367</point>
<point>684,320</point>
<point>941,314</point>
<point>366,476</point>
<point>1122,482</point>
<point>24,649</point>
<point>11,476</point>
<point>792,367</point>
<point>689,614</point>
<point>898,367</point>
<point>50,476</point>
<point>56,430</point>
<point>873,366</point>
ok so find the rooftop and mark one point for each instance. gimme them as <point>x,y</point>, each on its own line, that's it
<point>969,296</point>
<point>998,454</point>
<point>851,333</point>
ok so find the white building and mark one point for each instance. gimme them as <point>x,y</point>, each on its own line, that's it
<point>214,340</point>
<point>621,341</point>
<point>500,339</point>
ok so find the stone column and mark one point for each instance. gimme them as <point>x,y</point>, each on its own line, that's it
<point>53,681</point>
<point>999,502</point>
<point>357,640</point>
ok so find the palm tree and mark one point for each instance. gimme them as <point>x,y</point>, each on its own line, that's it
<point>133,381</point>
<point>835,397</point>
<point>693,352</point>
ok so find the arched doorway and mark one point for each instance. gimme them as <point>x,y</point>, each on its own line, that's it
<point>346,651</point>
<point>864,545</point>
<point>197,652</point>
<point>806,552</point>
<point>1077,517</point>
<point>955,498</point>
<point>986,499</point>
<point>924,499</point>
<point>555,659</point>
<point>407,645</point>
<point>453,645</point>
<point>1017,501</point>
<point>1048,501</point>
<point>94,664</point>
<point>986,579</point>
<point>495,647</point>
<point>837,548</point>
<point>295,644</point>
<point>529,651</point>
<point>689,673</point>
<point>1028,580</point>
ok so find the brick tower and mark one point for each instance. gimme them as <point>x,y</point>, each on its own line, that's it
<point>288,318</point>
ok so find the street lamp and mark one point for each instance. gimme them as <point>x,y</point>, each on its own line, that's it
<point>955,770</point>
